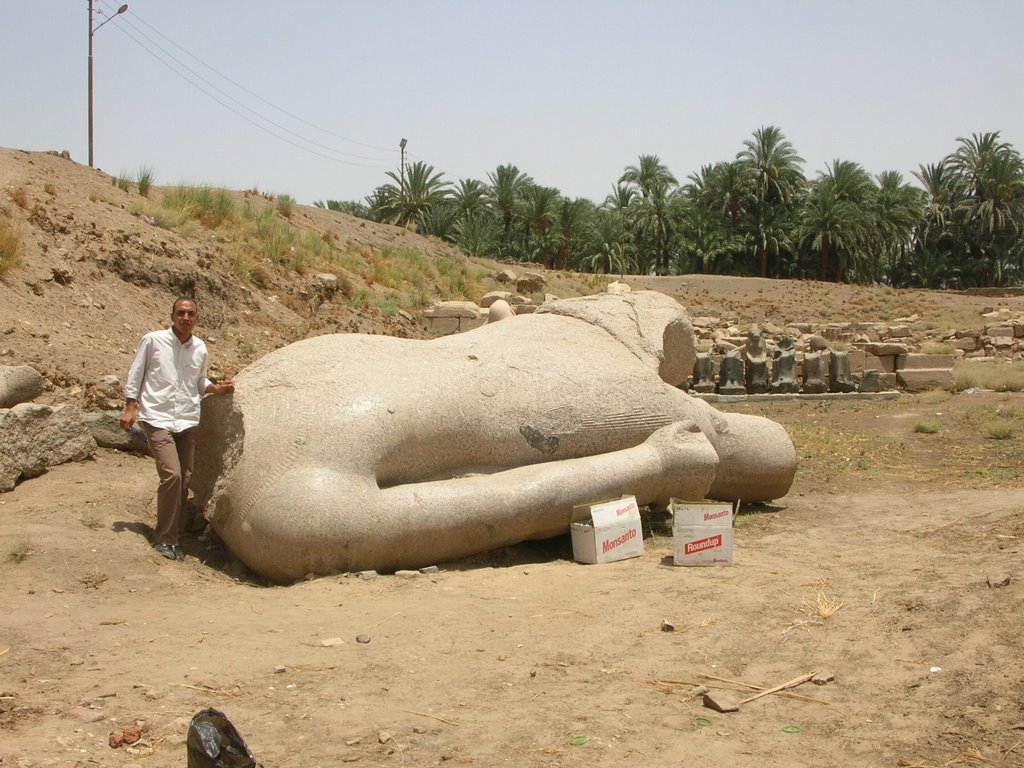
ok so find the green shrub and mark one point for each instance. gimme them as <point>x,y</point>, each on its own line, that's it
<point>1000,430</point>
<point>286,205</point>
<point>210,207</point>
<point>145,180</point>
<point>389,306</point>
<point>122,182</point>
<point>926,427</point>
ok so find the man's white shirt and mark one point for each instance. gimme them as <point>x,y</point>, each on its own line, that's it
<point>168,378</point>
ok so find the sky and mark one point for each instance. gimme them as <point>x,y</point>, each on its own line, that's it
<point>311,97</point>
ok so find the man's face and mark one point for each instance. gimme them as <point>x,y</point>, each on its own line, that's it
<point>184,318</point>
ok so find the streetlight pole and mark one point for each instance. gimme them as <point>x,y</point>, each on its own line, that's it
<point>401,146</point>
<point>92,31</point>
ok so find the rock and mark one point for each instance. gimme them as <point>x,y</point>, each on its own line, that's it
<point>667,626</point>
<point>925,379</point>
<point>446,309</point>
<point>881,348</point>
<point>367,575</point>
<point>817,344</point>
<point>34,437</point>
<point>430,569</point>
<point>84,715</point>
<point>407,574</point>
<point>1001,580</point>
<point>822,678</point>
<point>105,428</point>
<point>363,639</point>
<point>721,701</point>
<point>19,384</point>
<point>506,276</point>
<point>493,296</point>
<point>280,668</point>
<point>530,282</point>
<point>327,281</point>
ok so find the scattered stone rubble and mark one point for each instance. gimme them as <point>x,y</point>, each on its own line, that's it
<point>795,358</point>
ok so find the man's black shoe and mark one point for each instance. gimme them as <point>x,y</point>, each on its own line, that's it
<point>178,553</point>
<point>167,550</point>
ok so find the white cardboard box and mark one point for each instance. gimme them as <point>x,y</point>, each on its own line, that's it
<point>607,531</point>
<point>702,532</point>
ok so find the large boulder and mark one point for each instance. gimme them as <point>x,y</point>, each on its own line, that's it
<point>19,384</point>
<point>34,437</point>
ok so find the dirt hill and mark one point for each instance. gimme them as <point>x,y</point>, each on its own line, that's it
<point>893,565</point>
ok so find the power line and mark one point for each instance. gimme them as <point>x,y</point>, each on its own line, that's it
<point>251,93</point>
<point>377,162</point>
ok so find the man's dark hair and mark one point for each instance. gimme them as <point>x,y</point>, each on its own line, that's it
<point>180,299</point>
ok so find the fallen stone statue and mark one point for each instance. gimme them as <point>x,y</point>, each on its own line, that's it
<point>353,452</point>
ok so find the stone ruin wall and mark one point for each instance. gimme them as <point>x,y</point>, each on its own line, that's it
<point>893,349</point>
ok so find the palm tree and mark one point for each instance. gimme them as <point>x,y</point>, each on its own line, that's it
<point>423,188</point>
<point>505,190</point>
<point>622,200</point>
<point>896,208</point>
<point>470,197</point>
<point>990,179</point>
<point>773,168</point>
<point>829,225</point>
<point>476,234</point>
<point>656,220</point>
<point>648,175</point>
<point>538,206</point>
<point>572,217</point>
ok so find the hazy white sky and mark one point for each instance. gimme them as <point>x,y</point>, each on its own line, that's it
<point>311,97</point>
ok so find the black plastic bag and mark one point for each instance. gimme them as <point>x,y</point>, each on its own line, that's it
<point>213,742</point>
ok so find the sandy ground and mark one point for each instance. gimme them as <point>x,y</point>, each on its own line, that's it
<point>523,657</point>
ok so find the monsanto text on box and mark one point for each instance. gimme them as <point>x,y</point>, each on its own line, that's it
<point>607,531</point>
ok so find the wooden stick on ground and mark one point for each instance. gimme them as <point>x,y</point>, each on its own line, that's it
<point>792,683</point>
<point>427,714</point>
<point>759,688</point>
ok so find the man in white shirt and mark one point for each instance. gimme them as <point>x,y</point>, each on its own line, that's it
<point>166,380</point>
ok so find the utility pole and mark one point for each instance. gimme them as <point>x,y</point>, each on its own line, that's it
<point>92,31</point>
<point>401,192</point>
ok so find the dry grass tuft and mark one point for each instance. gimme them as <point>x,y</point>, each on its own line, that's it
<point>997,375</point>
<point>10,245</point>
<point>824,607</point>
<point>20,197</point>
<point>22,551</point>
<point>92,579</point>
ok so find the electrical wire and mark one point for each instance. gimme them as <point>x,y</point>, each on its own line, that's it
<point>375,162</point>
<point>251,93</point>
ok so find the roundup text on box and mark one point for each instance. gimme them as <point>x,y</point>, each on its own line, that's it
<point>701,532</point>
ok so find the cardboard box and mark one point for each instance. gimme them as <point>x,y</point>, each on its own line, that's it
<point>702,532</point>
<point>606,531</point>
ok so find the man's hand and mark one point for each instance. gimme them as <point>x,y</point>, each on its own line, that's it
<point>224,388</point>
<point>131,413</point>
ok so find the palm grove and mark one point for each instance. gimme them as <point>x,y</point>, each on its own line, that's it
<point>759,214</point>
